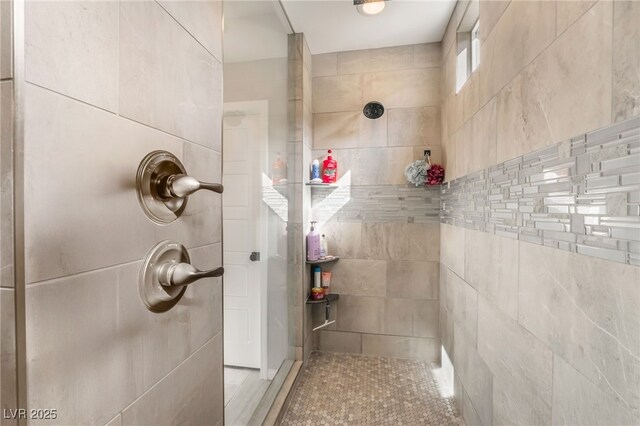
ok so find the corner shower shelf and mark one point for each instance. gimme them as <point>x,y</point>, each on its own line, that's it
<point>328,259</point>
<point>322,185</point>
<point>331,297</point>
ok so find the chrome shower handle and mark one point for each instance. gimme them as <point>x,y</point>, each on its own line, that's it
<point>180,186</point>
<point>171,274</point>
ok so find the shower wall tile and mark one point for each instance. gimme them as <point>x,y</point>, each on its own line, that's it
<point>6,179</point>
<point>412,279</point>
<point>491,266</point>
<point>344,239</point>
<point>559,288</point>
<point>461,301</point>
<point>514,42</point>
<point>521,365</point>
<point>480,139</point>
<point>324,65</point>
<point>339,341</point>
<point>401,241</point>
<point>337,93</point>
<point>8,384</point>
<point>626,60</point>
<point>414,126</point>
<point>545,103</point>
<point>475,376</point>
<point>358,277</point>
<point>401,347</point>
<point>491,12</point>
<point>403,88</point>
<point>158,69</point>
<point>196,17</point>
<point>184,395</point>
<point>84,347</point>
<point>6,40</point>
<point>72,48</point>
<point>348,130</point>
<point>578,401</point>
<point>389,58</point>
<point>61,125</point>
<point>567,12</point>
<point>361,314</point>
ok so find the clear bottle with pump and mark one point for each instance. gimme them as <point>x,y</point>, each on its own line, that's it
<point>324,249</point>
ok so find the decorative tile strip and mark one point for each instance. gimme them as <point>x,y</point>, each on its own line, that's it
<point>376,203</point>
<point>580,195</point>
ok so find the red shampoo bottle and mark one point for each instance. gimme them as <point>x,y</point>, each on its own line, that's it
<point>329,169</point>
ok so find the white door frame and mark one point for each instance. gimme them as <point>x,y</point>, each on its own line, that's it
<point>261,109</point>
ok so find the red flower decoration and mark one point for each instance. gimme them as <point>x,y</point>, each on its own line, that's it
<point>435,175</point>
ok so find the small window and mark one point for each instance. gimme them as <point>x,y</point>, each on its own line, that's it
<point>468,44</point>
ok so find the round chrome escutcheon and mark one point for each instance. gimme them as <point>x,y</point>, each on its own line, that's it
<point>155,167</point>
<point>155,296</point>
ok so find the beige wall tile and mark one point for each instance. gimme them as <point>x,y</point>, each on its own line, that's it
<point>401,347</point>
<point>159,68</point>
<point>545,104</point>
<point>461,301</point>
<point>6,40</point>
<point>338,130</point>
<point>449,159</point>
<point>374,166</point>
<point>454,112</point>
<point>569,11</point>
<point>427,55</point>
<point>563,303</point>
<point>185,394</point>
<point>452,248</point>
<point>404,88</point>
<point>491,266</point>
<point>469,413</point>
<point>475,377</point>
<point>412,279</point>
<point>445,324</point>
<point>6,177</point>
<point>202,19</point>
<point>70,366</point>
<point>361,314</point>
<point>359,277</point>
<point>398,317</point>
<point>343,238</point>
<point>514,42</point>
<point>425,318</point>
<point>490,13</point>
<point>522,368</point>
<point>480,151</point>
<point>626,60</point>
<point>324,65</point>
<point>471,95</point>
<point>374,60</point>
<point>8,385</point>
<point>578,401</point>
<point>414,126</point>
<point>72,48</point>
<point>401,241</point>
<point>338,341</point>
<point>337,93</point>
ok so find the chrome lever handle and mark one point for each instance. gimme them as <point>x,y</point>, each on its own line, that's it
<point>180,186</point>
<point>172,274</point>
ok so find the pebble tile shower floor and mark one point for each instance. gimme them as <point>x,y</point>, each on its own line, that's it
<point>345,389</point>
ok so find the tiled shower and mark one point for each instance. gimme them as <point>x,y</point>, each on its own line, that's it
<point>517,279</point>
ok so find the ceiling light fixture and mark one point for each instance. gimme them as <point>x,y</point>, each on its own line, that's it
<point>369,7</point>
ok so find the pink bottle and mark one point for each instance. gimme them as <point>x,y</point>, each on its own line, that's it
<point>313,243</point>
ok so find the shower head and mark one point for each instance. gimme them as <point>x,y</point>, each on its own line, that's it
<point>373,110</point>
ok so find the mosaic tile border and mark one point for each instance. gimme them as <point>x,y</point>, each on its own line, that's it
<point>580,195</point>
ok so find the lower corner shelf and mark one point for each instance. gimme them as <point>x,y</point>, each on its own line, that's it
<point>331,297</point>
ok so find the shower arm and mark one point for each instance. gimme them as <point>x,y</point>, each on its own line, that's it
<point>171,274</point>
<point>180,186</point>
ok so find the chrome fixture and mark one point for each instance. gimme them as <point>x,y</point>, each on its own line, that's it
<point>165,274</point>
<point>163,186</point>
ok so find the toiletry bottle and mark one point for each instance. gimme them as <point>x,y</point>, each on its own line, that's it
<point>326,282</point>
<point>324,251</point>
<point>279,170</point>
<point>315,172</point>
<point>317,277</point>
<point>329,169</point>
<point>313,243</point>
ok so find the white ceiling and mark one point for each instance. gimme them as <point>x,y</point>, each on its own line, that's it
<point>336,25</point>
